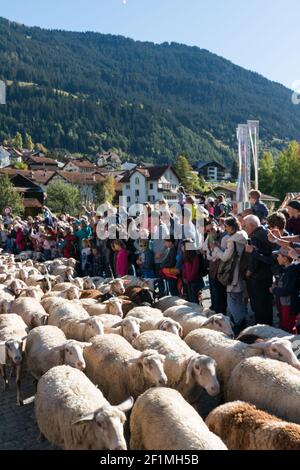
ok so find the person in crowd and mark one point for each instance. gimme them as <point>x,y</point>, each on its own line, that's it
<point>70,247</point>
<point>215,236</point>
<point>221,207</point>
<point>258,208</point>
<point>168,270</point>
<point>259,275</point>
<point>211,207</point>
<point>95,263</point>
<point>235,246</point>
<point>286,290</point>
<point>293,224</point>
<point>192,281</point>
<point>85,257</point>
<point>158,235</point>
<point>181,196</point>
<point>84,232</point>
<point>20,238</point>
<point>145,261</point>
<point>277,224</point>
<point>120,259</point>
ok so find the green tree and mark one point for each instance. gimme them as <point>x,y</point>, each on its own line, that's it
<point>189,179</point>
<point>266,174</point>
<point>28,142</point>
<point>234,170</point>
<point>9,197</point>
<point>19,165</point>
<point>18,141</point>
<point>105,190</point>
<point>287,171</point>
<point>63,197</point>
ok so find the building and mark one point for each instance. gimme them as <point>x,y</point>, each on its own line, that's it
<point>149,184</point>
<point>230,191</point>
<point>80,165</point>
<point>212,171</point>
<point>109,160</point>
<point>4,157</point>
<point>41,163</point>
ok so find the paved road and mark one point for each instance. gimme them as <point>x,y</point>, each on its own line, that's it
<point>18,429</point>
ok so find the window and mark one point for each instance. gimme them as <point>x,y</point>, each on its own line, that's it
<point>128,198</point>
<point>137,180</point>
<point>137,192</point>
<point>151,186</point>
<point>127,186</point>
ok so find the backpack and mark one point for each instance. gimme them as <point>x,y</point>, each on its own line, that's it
<point>226,269</point>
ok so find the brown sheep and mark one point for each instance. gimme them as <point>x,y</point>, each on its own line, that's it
<point>242,426</point>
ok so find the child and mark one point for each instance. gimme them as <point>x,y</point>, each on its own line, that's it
<point>190,272</point>
<point>85,256</point>
<point>168,269</point>
<point>287,291</point>
<point>96,263</point>
<point>145,260</point>
<point>121,258</point>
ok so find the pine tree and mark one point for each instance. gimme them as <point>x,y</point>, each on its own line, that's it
<point>28,142</point>
<point>105,190</point>
<point>9,197</point>
<point>234,170</point>
<point>18,141</point>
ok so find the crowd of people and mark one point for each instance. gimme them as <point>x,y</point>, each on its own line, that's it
<point>252,256</point>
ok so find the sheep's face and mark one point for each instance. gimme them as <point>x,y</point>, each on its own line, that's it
<point>73,293</point>
<point>95,326</point>
<point>171,326</point>
<point>78,283</point>
<point>88,284</point>
<point>6,306</point>
<point>115,306</point>
<point>74,354</point>
<point>131,328</point>
<point>153,367</point>
<point>39,320</point>
<point>219,323</point>
<point>117,287</point>
<point>280,349</point>
<point>203,370</point>
<point>145,296</point>
<point>14,351</point>
<point>108,425</point>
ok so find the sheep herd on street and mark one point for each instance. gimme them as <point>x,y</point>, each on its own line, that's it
<point>117,367</point>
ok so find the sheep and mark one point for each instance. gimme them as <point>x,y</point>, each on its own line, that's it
<point>47,347</point>
<point>112,306</point>
<point>38,280</point>
<point>129,328</point>
<point>72,413</point>
<point>67,309</point>
<point>16,286</point>
<point>264,332</point>
<point>228,353</point>
<point>34,292</point>
<point>109,320</point>
<point>242,426</point>
<point>268,384</point>
<point>162,420</point>
<point>31,311</point>
<point>70,293</point>
<point>148,315</point>
<point>13,333</point>
<point>114,287</point>
<point>91,294</point>
<point>82,330</point>
<point>167,302</point>
<point>140,295</point>
<point>161,341</point>
<point>65,272</point>
<point>166,324</point>
<point>120,370</point>
<point>191,320</point>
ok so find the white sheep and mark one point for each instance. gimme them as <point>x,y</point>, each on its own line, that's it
<point>153,319</point>
<point>82,330</point>
<point>47,347</point>
<point>13,333</point>
<point>109,320</point>
<point>228,353</point>
<point>34,292</point>
<point>162,341</point>
<point>128,327</point>
<point>72,413</point>
<point>264,332</point>
<point>31,311</point>
<point>70,293</point>
<point>162,420</point>
<point>120,370</point>
<point>112,306</point>
<point>61,311</point>
<point>191,320</point>
<point>268,384</point>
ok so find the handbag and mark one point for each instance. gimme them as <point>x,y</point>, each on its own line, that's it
<point>226,269</point>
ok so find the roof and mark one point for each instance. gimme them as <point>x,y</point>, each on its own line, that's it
<point>80,178</point>
<point>38,176</point>
<point>31,203</point>
<point>41,160</point>
<point>110,157</point>
<point>149,172</point>
<point>232,188</point>
<point>81,163</point>
<point>202,164</point>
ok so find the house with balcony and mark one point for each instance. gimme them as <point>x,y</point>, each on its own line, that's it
<point>150,184</point>
<point>212,171</point>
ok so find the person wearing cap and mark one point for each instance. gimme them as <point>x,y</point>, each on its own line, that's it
<point>286,291</point>
<point>293,224</point>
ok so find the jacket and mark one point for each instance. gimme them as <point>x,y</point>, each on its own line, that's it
<point>260,261</point>
<point>288,287</point>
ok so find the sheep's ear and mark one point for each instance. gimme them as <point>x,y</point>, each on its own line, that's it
<point>180,331</point>
<point>85,345</point>
<point>87,417</point>
<point>116,325</point>
<point>260,345</point>
<point>209,321</point>
<point>126,405</point>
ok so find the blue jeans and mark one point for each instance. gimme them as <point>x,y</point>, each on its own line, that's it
<point>236,306</point>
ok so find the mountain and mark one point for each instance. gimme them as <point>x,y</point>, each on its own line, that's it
<point>89,92</point>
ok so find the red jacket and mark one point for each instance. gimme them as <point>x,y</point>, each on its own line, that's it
<point>121,263</point>
<point>190,271</point>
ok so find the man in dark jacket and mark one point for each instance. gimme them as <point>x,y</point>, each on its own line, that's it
<point>258,208</point>
<point>259,273</point>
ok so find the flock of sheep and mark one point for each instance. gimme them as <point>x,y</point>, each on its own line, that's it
<point>116,367</point>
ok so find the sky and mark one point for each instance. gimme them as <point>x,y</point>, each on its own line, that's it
<point>260,35</point>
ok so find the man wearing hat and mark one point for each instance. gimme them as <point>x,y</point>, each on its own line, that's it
<point>293,224</point>
<point>286,290</point>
